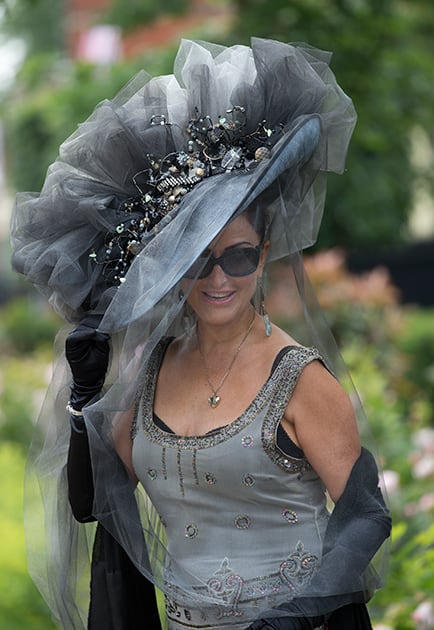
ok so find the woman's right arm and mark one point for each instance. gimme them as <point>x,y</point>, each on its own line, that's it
<point>79,473</point>
<point>87,351</point>
<point>79,465</point>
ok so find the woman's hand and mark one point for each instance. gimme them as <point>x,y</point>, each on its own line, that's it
<point>87,352</point>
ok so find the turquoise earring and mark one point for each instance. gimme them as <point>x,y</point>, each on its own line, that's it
<point>263,310</point>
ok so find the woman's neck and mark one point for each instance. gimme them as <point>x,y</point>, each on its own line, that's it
<point>225,335</point>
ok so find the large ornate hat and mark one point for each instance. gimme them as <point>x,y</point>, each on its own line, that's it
<point>144,185</point>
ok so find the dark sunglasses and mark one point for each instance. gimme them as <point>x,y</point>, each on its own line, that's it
<point>236,262</point>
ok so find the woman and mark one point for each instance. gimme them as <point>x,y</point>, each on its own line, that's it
<point>233,428</point>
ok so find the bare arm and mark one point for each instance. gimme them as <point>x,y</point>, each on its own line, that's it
<point>321,420</point>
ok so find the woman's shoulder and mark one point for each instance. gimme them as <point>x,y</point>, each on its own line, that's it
<point>283,348</point>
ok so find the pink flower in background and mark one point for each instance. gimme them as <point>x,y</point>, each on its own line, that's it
<point>422,458</point>
<point>424,616</point>
<point>424,467</point>
<point>426,503</point>
<point>423,439</point>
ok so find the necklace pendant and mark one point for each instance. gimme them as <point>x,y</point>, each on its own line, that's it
<point>214,401</point>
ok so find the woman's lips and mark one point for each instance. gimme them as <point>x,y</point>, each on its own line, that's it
<point>216,297</point>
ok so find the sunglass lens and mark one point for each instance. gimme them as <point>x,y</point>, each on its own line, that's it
<point>237,262</point>
<point>240,262</point>
<point>201,268</point>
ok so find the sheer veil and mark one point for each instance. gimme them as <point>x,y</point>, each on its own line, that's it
<point>56,232</point>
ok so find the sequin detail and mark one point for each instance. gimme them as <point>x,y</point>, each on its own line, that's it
<point>152,474</point>
<point>210,478</point>
<point>247,441</point>
<point>163,463</point>
<point>180,475</point>
<point>191,530</point>
<point>248,480</point>
<point>194,466</point>
<point>299,567</point>
<point>290,516</point>
<point>226,586</point>
<point>229,589</point>
<point>242,521</point>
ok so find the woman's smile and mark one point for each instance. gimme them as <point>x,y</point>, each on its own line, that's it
<point>218,297</point>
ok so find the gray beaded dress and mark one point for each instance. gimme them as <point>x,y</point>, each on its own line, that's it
<point>244,521</point>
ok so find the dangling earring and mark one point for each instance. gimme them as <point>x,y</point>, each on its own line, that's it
<point>188,316</point>
<point>262,309</point>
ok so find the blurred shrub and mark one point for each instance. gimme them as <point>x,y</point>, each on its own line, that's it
<point>21,606</point>
<point>27,330</point>
<point>416,341</point>
<point>23,382</point>
<point>26,324</point>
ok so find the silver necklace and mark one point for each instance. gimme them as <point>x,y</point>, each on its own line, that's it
<point>214,399</point>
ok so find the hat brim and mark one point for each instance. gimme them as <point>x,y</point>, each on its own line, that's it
<point>182,236</point>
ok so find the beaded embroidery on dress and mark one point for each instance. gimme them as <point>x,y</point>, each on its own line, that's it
<point>235,487</point>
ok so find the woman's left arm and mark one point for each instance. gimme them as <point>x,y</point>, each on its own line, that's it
<point>321,420</point>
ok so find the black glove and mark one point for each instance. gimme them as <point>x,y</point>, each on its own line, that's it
<point>87,352</point>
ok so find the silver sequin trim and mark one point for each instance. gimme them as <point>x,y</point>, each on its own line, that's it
<point>292,365</point>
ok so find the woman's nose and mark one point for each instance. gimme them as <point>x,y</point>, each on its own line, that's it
<point>217,275</point>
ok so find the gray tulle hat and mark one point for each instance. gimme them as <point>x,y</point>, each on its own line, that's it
<point>146,183</point>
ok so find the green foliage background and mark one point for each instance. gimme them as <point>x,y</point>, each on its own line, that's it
<point>383,52</point>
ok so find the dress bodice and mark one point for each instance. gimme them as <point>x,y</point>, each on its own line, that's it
<point>243,520</point>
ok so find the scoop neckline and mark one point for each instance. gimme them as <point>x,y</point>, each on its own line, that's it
<point>216,435</point>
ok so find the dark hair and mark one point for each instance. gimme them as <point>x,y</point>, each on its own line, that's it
<point>257,217</point>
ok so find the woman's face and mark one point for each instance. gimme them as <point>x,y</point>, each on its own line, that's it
<point>219,298</point>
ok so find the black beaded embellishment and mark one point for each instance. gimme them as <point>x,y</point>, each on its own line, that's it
<point>162,183</point>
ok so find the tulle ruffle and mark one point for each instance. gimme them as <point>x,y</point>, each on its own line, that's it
<point>54,232</point>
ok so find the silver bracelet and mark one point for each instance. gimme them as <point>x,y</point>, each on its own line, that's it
<point>70,409</point>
